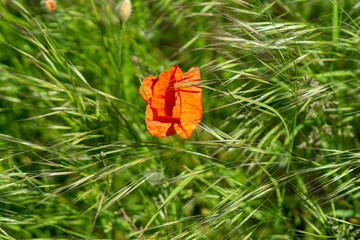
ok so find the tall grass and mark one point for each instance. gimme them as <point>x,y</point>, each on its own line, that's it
<point>276,155</point>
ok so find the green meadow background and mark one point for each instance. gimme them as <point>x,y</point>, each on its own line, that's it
<point>276,155</point>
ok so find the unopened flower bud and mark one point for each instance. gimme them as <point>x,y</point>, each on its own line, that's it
<point>123,10</point>
<point>48,5</point>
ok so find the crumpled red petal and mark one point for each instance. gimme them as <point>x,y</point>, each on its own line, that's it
<point>158,128</point>
<point>146,90</point>
<point>190,102</point>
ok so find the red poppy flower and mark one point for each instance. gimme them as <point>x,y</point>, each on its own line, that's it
<point>174,102</point>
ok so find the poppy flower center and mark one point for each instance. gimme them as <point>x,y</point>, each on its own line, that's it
<point>170,97</point>
<point>171,115</point>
